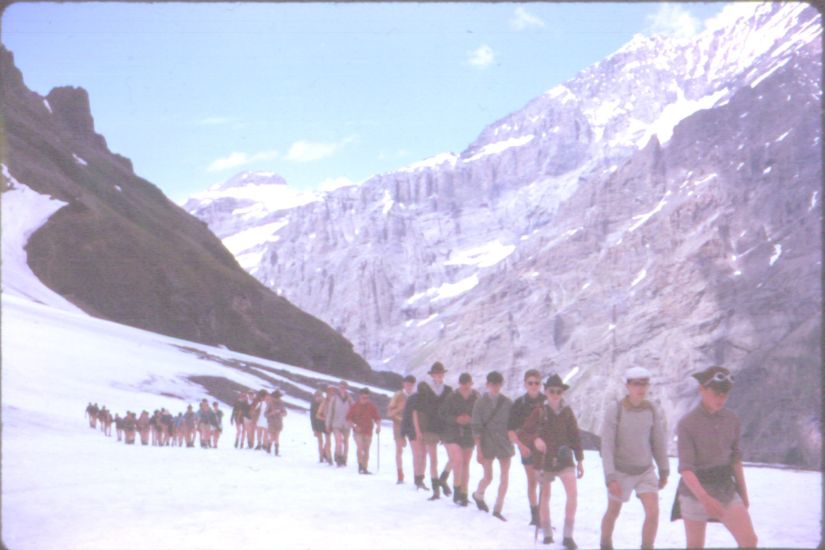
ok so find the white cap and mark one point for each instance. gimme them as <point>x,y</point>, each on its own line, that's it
<point>637,373</point>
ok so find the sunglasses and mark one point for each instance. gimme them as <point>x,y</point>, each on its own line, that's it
<point>719,377</point>
<point>555,391</point>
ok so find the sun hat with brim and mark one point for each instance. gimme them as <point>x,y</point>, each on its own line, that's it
<point>437,368</point>
<point>637,373</point>
<point>554,381</point>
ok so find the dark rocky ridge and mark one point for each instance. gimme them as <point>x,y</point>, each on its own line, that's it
<point>122,251</point>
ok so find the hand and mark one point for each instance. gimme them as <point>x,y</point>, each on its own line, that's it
<point>540,445</point>
<point>662,481</point>
<point>479,455</point>
<point>525,450</point>
<point>614,488</point>
<point>713,507</point>
<point>580,470</point>
<point>378,429</point>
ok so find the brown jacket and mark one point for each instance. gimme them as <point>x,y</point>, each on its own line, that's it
<point>556,430</point>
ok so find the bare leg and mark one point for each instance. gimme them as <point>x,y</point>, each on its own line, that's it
<point>650,502</point>
<point>614,508</point>
<point>738,522</point>
<point>485,481</point>
<point>504,482</point>
<point>695,533</point>
<point>568,479</point>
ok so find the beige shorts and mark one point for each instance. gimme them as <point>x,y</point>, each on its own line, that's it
<point>431,438</point>
<point>694,510</point>
<point>362,440</point>
<point>551,476</point>
<point>646,482</point>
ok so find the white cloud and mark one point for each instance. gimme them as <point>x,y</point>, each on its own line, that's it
<point>235,159</point>
<point>673,20</point>
<point>308,151</point>
<point>482,57</point>
<point>522,19</point>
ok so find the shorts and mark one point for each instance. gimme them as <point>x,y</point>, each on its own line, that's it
<point>694,510</point>
<point>363,440</point>
<point>430,438</point>
<point>550,475</point>
<point>646,482</point>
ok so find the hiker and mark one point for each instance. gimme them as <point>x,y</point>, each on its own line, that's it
<point>275,413</point>
<point>91,412</point>
<point>239,412</point>
<point>167,423</point>
<point>336,420</point>
<point>217,427</point>
<point>179,430</point>
<point>206,420</point>
<point>712,485</point>
<point>491,413</point>
<point>317,423</point>
<point>154,426</point>
<point>119,427</point>
<point>257,412</point>
<point>521,410</point>
<point>361,416</point>
<point>457,412</point>
<point>554,434</point>
<point>105,417</point>
<point>322,416</point>
<point>129,428</point>
<point>143,426</point>
<point>429,425</point>
<point>417,448</point>
<point>250,418</point>
<point>189,424</point>
<point>395,411</point>
<point>634,434</point>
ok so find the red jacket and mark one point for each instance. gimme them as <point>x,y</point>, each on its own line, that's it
<point>363,415</point>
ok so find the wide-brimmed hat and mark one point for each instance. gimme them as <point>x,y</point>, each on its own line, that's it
<point>437,368</point>
<point>715,377</point>
<point>637,373</point>
<point>554,381</point>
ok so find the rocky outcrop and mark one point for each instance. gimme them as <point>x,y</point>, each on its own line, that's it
<point>661,208</point>
<point>120,250</point>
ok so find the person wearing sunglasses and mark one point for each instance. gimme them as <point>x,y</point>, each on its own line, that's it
<point>554,433</point>
<point>522,408</point>
<point>712,485</point>
<point>634,434</point>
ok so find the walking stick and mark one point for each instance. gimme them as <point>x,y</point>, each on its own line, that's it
<point>378,452</point>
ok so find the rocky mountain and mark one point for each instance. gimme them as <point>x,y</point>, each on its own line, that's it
<point>661,208</point>
<point>120,250</point>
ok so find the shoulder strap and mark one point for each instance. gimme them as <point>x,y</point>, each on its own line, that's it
<point>495,410</point>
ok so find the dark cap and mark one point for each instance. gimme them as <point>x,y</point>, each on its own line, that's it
<point>465,378</point>
<point>409,378</point>
<point>554,381</point>
<point>437,368</point>
<point>495,377</point>
<point>716,378</point>
<point>364,391</point>
<point>277,394</point>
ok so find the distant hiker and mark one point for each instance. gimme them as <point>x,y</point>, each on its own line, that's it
<point>91,413</point>
<point>154,425</point>
<point>251,417</point>
<point>119,427</point>
<point>417,448</point>
<point>634,434</point>
<point>317,423</point>
<point>217,428</point>
<point>554,433</point>
<point>129,428</point>
<point>491,413</point>
<point>522,409</point>
<point>712,486</point>
<point>189,426</point>
<point>457,412</point>
<point>336,419</point>
<point>206,422</point>
<point>322,416</point>
<point>395,411</point>
<point>239,411</point>
<point>143,426</point>
<point>429,425</point>
<point>275,413</point>
<point>258,413</point>
<point>179,430</point>
<point>363,415</point>
<point>105,418</point>
<point>167,423</point>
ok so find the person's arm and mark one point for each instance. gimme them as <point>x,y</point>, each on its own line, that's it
<point>416,424</point>
<point>660,445</point>
<point>608,447</point>
<point>475,426</point>
<point>575,442</point>
<point>739,475</point>
<point>514,423</point>
<point>713,507</point>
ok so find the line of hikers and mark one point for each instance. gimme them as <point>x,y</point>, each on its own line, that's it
<point>162,428</point>
<point>545,431</point>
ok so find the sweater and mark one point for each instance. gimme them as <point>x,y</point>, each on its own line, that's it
<point>490,425</point>
<point>632,437</point>
<point>363,415</point>
<point>555,429</point>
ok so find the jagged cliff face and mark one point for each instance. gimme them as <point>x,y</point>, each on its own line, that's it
<point>122,251</point>
<point>662,208</point>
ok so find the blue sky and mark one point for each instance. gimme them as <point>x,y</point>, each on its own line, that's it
<point>320,93</point>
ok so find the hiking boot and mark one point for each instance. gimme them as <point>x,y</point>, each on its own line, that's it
<point>569,543</point>
<point>498,515</point>
<point>419,483</point>
<point>456,495</point>
<point>534,515</point>
<point>442,481</point>
<point>605,546</point>
<point>464,501</point>
<point>548,539</point>
<point>436,489</point>
<point>480,503</point>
